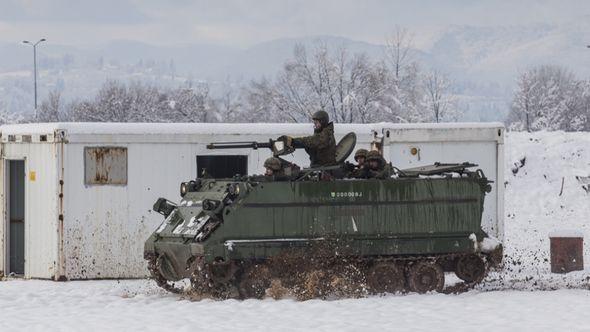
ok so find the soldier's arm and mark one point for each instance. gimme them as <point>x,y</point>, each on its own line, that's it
<point>315,141</point>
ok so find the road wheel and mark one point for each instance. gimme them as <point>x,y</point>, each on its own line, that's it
<point>386,277</point>
<point>425,277</point>
<point>470,268</point>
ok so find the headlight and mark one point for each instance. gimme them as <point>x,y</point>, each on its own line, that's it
<point>183,189</point>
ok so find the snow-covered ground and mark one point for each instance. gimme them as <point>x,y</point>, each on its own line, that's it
<point>524,296</point>
<point>536,204</point>
<point>137,306</point>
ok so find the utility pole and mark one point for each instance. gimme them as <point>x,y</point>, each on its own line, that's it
<point>35,66</point>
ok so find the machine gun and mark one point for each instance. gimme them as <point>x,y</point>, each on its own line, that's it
<point>279,147</point>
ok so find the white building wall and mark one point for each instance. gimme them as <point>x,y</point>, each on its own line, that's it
<point>105,226</point>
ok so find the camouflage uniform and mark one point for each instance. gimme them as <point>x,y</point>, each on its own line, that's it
<point>274,164</point>
<point>359,170</point>
<point>321,146</point>
<point>383,169</point>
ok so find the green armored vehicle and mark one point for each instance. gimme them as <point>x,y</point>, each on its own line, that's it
<point>233,237</point>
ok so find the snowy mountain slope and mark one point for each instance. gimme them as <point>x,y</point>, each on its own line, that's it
<point>498,53</point>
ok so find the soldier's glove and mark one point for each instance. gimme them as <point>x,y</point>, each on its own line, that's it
<point>287,139</point>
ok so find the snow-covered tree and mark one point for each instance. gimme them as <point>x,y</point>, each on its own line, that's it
<point>350,88</point>
<point>192,104</point>
<point>549,98</point>
<point>6,117</point>
<point>137,102</point>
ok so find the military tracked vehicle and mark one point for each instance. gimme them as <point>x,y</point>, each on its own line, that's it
<point>231,237</point>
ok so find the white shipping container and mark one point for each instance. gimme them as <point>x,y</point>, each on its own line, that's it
<point>88,188</point>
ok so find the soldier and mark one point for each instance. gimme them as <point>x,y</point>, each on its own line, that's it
<point>273,167</point>
<point>357,170</point>
<point>360,156</point>
<point>321,146</point>
<point>377,168</point>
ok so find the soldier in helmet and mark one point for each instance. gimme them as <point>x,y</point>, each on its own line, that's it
<point>377,168</point>
<point>273,167</point>
<point>360,157</point>
<point>321,146</point>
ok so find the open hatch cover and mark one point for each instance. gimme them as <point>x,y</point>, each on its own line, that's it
<point>345,147</point>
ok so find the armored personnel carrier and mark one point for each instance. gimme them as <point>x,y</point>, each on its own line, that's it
<point>234,237</point>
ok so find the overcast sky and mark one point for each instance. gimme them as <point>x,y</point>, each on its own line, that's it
<point>243,23</point>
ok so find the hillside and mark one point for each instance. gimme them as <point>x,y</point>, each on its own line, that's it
<point>482,61</point>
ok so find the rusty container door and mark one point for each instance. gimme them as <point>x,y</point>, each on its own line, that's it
<point>567,252</point>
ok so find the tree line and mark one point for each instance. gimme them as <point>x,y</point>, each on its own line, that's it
<point>351,87</point>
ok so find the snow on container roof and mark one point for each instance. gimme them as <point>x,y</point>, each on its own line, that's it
<point>444,125</point>
<point>177,128</point>
<point>94,132</point>
<point>218,128</point>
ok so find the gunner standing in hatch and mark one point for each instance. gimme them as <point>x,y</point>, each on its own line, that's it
<point>321,146</point>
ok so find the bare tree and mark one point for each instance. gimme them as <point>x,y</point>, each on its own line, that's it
<point>229,103</point>
<point>438,98</point>
<point>50,108</point>
<point>397,50</point>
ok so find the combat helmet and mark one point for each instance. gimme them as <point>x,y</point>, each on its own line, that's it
<point>360,153</point>
<point>322,117</point>
<point>374,155</point>
<point>273,163</point>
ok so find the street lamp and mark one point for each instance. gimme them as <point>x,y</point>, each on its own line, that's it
<point>35,66</point>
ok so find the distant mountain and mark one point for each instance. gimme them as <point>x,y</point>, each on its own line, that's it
<point>483,62</point>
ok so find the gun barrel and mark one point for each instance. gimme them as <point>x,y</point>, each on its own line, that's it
<point>239,145</point>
